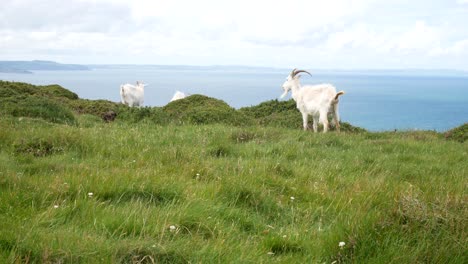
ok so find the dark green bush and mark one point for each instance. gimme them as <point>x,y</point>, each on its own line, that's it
<point>38,147</point>
<point>459,134</point>
<point>37,107</point>
<point>200,109</point>
<point>93,107</point>
<point>55,90</point>
<point>269,108</point>
<point>148,114</point>
<point>9,89</point>
<point>22,99</point>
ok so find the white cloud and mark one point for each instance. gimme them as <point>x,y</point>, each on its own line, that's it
<point>419,38</point>
<point>359,33</point>
<point>458,48</point>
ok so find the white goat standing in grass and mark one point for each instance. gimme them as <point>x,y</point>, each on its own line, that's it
<point>315,100</point>
<point>178,95</point>
<point>132,95</point>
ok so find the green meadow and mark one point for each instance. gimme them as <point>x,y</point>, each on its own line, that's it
<point>197,181</point>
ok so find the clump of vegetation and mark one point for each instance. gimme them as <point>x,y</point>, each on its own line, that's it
<point>36,107</point>
<point>38,147</point>
<point>12,89</point>
<point>459,134</point>
<point>275,113</point>
<point>22,99</point>
<point>200,109</point>
<point>154,115</point>
<point>58,91</point>
<point>93,107</point>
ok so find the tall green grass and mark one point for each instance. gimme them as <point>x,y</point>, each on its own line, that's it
<point>109,193</point>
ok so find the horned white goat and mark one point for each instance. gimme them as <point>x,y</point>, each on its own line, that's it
<point>178,95</point>
<point>315,100</point>
<point>132,95</point>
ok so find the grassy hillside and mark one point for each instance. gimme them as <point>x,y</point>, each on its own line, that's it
<point>139,190</point>
<point>56,104</point>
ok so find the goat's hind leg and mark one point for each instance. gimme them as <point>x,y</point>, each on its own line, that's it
<point>324,121</point>
<point>336,117</point>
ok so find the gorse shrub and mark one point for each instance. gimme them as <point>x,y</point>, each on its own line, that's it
<point>9,89</point>
<point>200,109</point>
<point>22,99</point>
<point>93,107</point>
<point>147,114</point>
<point>459,134</point>
<point>38,147</point>
<point>37,107</point>
<point>269,108</point>
<point>55,90</point>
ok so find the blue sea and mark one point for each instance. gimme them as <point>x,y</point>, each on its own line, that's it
<point>376,102</point>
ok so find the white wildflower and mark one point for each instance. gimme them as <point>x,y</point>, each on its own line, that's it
<point>56,206</point>
<point>270,253</point>
<point>341,244</point>
<point>172,228</point>
<point>90,194</point>
<point>292,198</point>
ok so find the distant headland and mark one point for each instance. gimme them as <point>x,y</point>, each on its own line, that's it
<point>26,67</point>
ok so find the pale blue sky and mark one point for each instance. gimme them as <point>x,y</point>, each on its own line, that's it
<point>333,34</point>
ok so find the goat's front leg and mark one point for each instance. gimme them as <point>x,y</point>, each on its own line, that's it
<point>315,124</point>
<point>305,117</point>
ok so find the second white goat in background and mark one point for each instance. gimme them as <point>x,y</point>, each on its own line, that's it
<point>178,95</point>
<point>315,100</point>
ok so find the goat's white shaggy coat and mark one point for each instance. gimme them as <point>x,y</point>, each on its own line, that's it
<point>178,95</point>
<point>314,100</point>
<point>132,95</point>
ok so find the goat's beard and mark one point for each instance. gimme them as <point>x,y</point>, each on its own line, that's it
<point>284,94</point>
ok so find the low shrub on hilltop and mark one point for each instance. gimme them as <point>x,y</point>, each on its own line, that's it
<point>22,99</point>
<point>37,107</point>
<point>200,109</point>
<point>12,89</point>
<point>459,134</point>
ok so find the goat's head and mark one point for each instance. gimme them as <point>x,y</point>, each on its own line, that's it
<point>141,84</point>
<point>292,80</point>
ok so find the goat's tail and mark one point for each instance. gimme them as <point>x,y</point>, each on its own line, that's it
<point>338,94</point>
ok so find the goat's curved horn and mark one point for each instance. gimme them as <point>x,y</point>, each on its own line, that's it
<point>293,73</point>
<point>299,71</point>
